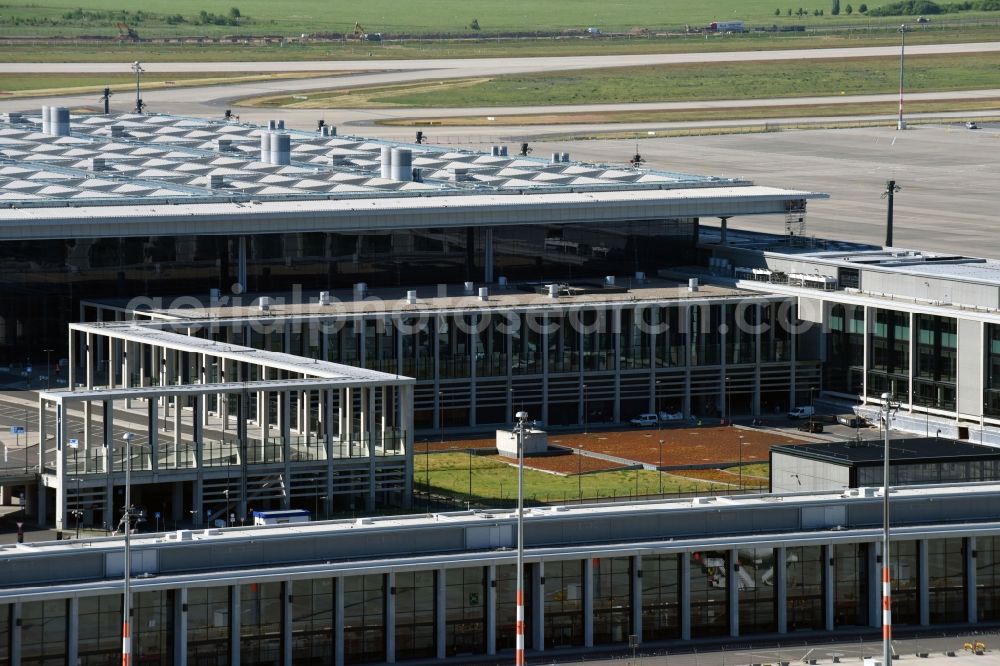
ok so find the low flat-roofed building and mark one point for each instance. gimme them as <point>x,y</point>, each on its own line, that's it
<point>856,463</point>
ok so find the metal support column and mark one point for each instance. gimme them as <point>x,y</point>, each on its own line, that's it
<point>971,574</point>
<point>538,603</point>
<point>440,616</point>
<point>491,610</point>
<point>923,591</point>
<point>588,602</point>
<point>180,626</point>
<point>829,577</point>
<point>733,592</point>
<point>781,588</point>
<point>685,596</point>
<point>636,595</point>
<point>234,624</point>
<point>338,621</point>
<point>390,618</point>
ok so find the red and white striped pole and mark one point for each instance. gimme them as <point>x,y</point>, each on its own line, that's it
<point>522,418</point>
<point>126,644</point>
<point>887,408</point>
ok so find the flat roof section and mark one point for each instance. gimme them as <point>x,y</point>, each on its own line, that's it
<point>910,450</point>
<point>445,299</point>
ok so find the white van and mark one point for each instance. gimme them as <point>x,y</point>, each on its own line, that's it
<point>645,420</point>
<point>801,412</point>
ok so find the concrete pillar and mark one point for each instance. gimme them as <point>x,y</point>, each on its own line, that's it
<point>241,269</point>
<point>234,624</point>
<point>180,625</point>
<point>488,254</point>
<point>544,337</point>
<point>326,397</point>
<point>440,616</point>
<point>781,589</point>
<point>733,590</point>
<point>636,596</point>
<point>616,330</point>
<point>153,418</point>
<point>757,343</point>
<point>924,579</point>
<point>588,602</point>
<point>338,621</point>
<point>284,412</point>
<point>491,610</point>
<point>367,400</point>
<point>970,580</point>
<point>724,231</point>
<point>390,618</point>
<point>15,633</point>
<point>828,586</point>
<point>286,623</point>
<point>685,596</point>
<point>406,420</point>
<point>72,630</point>
<point>874,568</point>
<point>538,601</point>
<point>91,361</point>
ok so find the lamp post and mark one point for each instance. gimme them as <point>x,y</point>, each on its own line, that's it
<point>659,472</point>
<point>741,463</point>
<point>441,414</point>
<point>725,404</point>
<point>888,407</point>
<point>126,601</point>
<point>586,409</point>
<point>901,124</point>
<point>137,68</point>
<point>522,423</point>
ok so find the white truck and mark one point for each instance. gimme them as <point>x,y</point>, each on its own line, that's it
<point>801,412</point>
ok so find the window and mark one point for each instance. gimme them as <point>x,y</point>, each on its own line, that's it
<point>43,633</point>
<point>850,585</point>
<point>709,599</point>
<point>946,580</point>
<point>507,606</point>
<point>312,621</point>
<point>414,601</point>
<point>988,578</point>
<point>661,597</point>
<point>563,603</point>
<point>612,599</point>
<point>208,626</point>
<point>465,611</point>
<point>100,629</point>
<point>755,578</point>
<point>364,618</point>
<point>261,612</point>
<point>804,573</point>
<point>905,573</point>
<point>153,641</point>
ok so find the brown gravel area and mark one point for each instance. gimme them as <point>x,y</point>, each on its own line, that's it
<point>722,476</point>
<point>569,465</point>
<point>681,446</point>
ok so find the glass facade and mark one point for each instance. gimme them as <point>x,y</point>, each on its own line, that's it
<point>988,578</point>
<point>154,627</point>
<point>208,639</point>
<point>261,613</point>
<point>709,599</point>
<point>414,599</point>
<point>931,472</point>
<point>43,633</point>
<point>844,369</point>
<point>755,578</point>
<point>465,611</point>
<point>937,361</point>
<point>364,618</point>
<point>946,592</point>
<point>563,604</point>
<point>661,579</point>
<point>805,575</point>
<point>905,572</point>
<point>37,303</point>
<point>507,606</point>
<point>612,580</point>
<point>850,585</point>
<point>102,642</point>
<point>991,397</point>
<point>312,621</point>
<point>5,626</point>
<point>889,363</point>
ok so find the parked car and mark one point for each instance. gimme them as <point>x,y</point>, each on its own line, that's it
<point>645,420</point>
<point>811,426</point>
<point>801,412</point>
<point>671,416</point>
<point>972,124</point>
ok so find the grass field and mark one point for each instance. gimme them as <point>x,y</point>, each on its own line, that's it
<point>494,480</point>
<point>742,114</point>
<point>675,83</point>
<point>34,85</point>
<point>294,17</point>
<point>40,50</point>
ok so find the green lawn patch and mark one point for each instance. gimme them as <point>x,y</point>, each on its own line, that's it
<point>28,85</point>
<point>675,83</point>
<point>493,481</point>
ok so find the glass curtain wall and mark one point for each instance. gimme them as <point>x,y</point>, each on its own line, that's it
<point>805,575</point>
<point>208,626</point>
<point>414,600</point>
<point>261,612</point>
<point>364,618</point>
<point>946,580</point>
<point>563,604</point>
<point>905,572</point>
<point>937,360</point>
<point>709,599</point>
<point>43,633</point>
<point>5,623</point>
<point>991,397</point>
<point>850,585</point>
<point>661,577</point>
<point>755,580</point>
<point>312,621</point>
<point>465,611</point>
<point>988,578</point>
<point>890,355</point>
<point>507,606</point>
<point>100,620</point>
<point>612,578</point>
<point>843,371</point>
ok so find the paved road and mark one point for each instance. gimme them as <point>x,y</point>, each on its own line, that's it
<point>490,66</point>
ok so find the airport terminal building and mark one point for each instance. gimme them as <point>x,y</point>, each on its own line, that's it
<point>442,586</point>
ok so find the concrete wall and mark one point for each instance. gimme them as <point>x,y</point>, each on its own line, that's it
<point>791,474</point>
<point>971,367</point>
